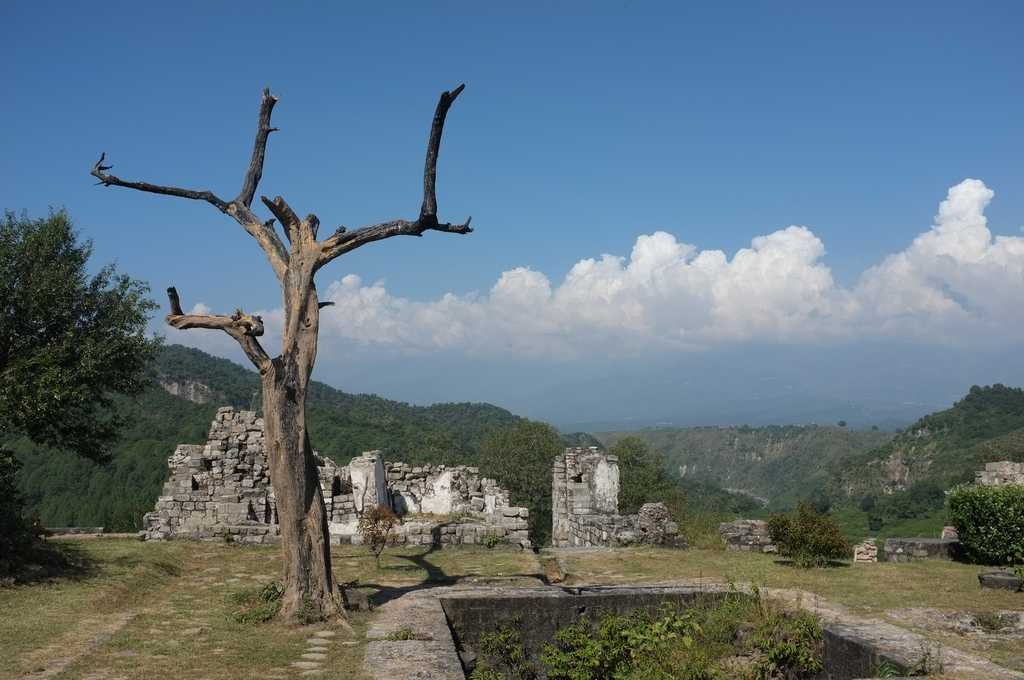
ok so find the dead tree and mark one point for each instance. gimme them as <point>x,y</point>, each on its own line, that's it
<point>285,378</point>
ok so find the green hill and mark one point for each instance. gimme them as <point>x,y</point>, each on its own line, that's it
<point>777,464</point>
<point>65,490</point>
<point>943,448</point>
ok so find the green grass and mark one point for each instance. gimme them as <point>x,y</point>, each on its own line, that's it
<point>854,524</point>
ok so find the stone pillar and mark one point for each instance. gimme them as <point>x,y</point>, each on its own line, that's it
<point>559,504</point>
<point>369,481</point>
<point>604,485</point>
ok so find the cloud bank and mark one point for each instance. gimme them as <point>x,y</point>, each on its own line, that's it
<point>954,284</point>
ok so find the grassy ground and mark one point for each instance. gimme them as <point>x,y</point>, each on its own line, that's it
<point>877,590</point>
<point>145,610</point>
<point>153,610</point>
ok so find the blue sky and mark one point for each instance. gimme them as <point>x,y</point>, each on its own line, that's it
<point>583,128</point>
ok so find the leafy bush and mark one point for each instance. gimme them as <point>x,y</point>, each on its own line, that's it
<point>502,657</point>
<point>701,642</point>
<point>375,527</point>
<point>990,522</point>
<point>810,539</point>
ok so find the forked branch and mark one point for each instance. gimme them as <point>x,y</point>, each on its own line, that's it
<point>244,328</point>
<point>239,207</point>
<point>343,241</point>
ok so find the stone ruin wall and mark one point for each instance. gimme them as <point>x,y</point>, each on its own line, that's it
<point>1000,473</point>
<point>585,505</point>
<point>747,535</point>
<point>222,489</point>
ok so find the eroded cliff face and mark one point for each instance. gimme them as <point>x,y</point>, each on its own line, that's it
<point>192,390</point>
<point>906,460</point>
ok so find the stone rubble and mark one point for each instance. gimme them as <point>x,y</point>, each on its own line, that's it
<point>585,506</point>
<point>221,490</point>
<point>866,552</point>
<point>747,535</point>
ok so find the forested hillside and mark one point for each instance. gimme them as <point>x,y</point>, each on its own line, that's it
<point>779,464</point>
<point>63,489</point>
<point>943,448</point>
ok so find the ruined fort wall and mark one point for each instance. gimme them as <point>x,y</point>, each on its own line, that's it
<point>222,489</point>
<point>585,501</point>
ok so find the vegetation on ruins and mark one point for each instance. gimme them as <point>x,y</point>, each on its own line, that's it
<point>735,636</point>
<point>808,538</point>
<point>69,342</point>
<point>285,378</point>
<point>375,526</point>
<point>990,522</point>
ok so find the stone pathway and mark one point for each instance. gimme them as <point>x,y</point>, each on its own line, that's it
<point>311,662</point>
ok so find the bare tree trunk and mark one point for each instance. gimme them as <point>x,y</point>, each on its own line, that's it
<point>302,516</point>
<point>309,584</point>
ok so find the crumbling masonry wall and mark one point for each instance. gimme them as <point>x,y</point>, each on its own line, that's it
<point>585,505</point>
<point>222,489</point>
<point>1000,473</point>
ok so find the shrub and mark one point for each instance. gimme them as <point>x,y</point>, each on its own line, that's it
<point>990,522</point>
<point>375,528</point>
<point>403,633</point>
<point>502,657</point>
<point>810,539</point>
<point>257,605</point>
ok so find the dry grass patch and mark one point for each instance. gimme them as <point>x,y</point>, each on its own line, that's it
<point>166,609</point>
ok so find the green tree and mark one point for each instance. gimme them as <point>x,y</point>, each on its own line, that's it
<point>68,342</point>
<point>643,478</point>
<point>520,458</point>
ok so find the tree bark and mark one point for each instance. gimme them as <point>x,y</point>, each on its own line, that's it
<point>309,585</point>
<point>302,516</point>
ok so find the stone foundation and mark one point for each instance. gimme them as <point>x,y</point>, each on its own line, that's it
<point>585,506</point>
<point>222,489</point>
<point>912,549</point>
<point>748,535</point>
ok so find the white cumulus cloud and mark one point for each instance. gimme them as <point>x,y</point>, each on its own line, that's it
<point>954,283</point>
